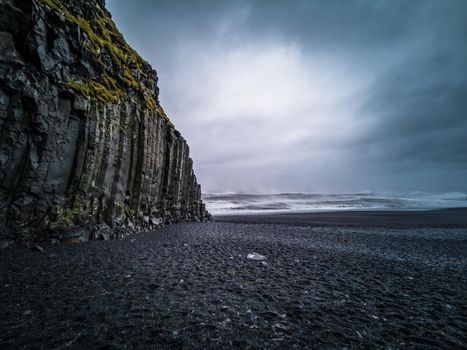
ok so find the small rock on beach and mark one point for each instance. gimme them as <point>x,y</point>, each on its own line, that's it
<point>255,256</point>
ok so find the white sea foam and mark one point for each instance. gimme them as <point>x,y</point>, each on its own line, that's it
<point>241,203</point>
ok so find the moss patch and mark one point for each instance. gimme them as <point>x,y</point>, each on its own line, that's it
<point>95,89</point>
<point>71,214</point>
<point>125,209</point>
<point>105,38</point>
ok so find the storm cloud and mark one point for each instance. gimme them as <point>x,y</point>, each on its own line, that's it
<point>312,96</point>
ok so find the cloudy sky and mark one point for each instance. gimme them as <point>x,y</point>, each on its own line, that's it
<point>311,96</point>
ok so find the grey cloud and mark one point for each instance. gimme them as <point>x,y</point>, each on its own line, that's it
<point>419,110</point>
<point>392,75</point>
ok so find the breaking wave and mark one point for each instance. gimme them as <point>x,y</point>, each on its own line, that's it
<point>248,203</point>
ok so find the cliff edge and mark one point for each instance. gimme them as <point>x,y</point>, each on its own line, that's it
<point>86,150</point>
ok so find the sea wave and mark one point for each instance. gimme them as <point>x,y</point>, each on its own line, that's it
<point>243,203</point>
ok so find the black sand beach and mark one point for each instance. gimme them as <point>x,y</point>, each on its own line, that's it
<point>349,280</point>
<point>455,217</point>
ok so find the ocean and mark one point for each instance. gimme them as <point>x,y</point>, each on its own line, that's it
<point>253,203</point>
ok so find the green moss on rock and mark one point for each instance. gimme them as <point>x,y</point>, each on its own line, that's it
<point>105,38</point>
<point>72,213</point>
<point>94,89</point>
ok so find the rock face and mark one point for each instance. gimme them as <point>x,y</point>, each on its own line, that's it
<point>86,150</point>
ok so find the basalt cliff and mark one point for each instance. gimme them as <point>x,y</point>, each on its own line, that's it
<point>86,150</point>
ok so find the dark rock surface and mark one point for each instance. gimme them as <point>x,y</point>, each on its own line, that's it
<point>191,286</point>
<point>83,139</point>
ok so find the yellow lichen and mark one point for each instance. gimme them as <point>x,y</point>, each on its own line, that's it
<point>95,89</point>
<point>104,36</point>
<point>150,103</point>
<point>70,214</point>
<point>124,209</point>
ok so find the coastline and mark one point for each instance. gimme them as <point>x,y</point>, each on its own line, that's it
<point>448,217</point>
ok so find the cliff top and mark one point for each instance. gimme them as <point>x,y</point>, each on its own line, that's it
<point>116,65</point>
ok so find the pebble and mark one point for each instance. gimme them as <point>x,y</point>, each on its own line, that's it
<point>255,256</point>
<point>280,325</point>
<point>5,244</point>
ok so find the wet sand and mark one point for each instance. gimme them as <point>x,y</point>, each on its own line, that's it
<point>455,217</point>
<point>333,286</point>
